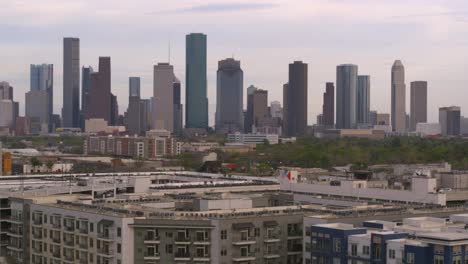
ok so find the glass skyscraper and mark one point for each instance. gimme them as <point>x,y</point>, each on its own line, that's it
<point>196,113</point>
<point>346,90</point>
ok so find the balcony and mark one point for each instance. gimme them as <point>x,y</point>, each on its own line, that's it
<point>245,257</point>
<point>182,256</point>
<point>152,239</point>
<point>37,221</point>
<point>182,240</point>
<point>56,254</point>
<point>37,250</point>
<point>83,245</point>
<point>83,230</point>
<point>83,261</point>
<point>154,256</point>
<point>245,241</point>
<point>14,219</point>
<point>202,241</point>
<point>271,256</point>
<point>56,225</point>
<point>69,243</point>
<point>14,232</point>
<point>274,238</point>
<point>105,252</point>
<point>295,234</point>
<point>295,249</point>
<point>201,258</point>
<point>69,228</point>
<point>105,236</point>
<point>70,258</point>
<point>56,240</point>
<point>37,235</point>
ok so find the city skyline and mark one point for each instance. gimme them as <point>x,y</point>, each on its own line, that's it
<point>444,77</point>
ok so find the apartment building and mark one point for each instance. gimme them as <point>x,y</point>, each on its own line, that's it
<point>417,240</point>
<point>134,147</point>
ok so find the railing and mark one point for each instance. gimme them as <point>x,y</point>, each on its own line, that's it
<point>83,230</point>
<point>182,254</point>
<point>182,239</point>
<point>294,232</point>
<point>151,238</point>
<point>295,248</point>
<point>155,254</point>
<point>105,235</point>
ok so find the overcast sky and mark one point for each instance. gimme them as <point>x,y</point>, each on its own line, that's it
<point>429,36</point>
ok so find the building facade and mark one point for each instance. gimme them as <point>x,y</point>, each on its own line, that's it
<point>398,103</point>
<point>163,94</point>
<point>363,99</point>
<point>346,92</point>
<point>328,108</point>
<point>99,95</point>
<point>196,101</point>
<point>295,100</point>
<point>229,96</point>
<point>418,104</point>
<point>449,120</point>
<point>42,78</point>
<point>71,82</point>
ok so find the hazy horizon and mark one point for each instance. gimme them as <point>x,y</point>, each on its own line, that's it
<point>428,36</point>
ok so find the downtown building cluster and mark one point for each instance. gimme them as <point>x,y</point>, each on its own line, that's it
<point>90,105</point>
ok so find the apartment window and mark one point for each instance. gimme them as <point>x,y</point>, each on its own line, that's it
<point>200,252</point>
<point>119,232</point>
<point>336,245</point>
<point>456,250</point>
<point>353,249</point>
<point>91,242</point>
<point>410,259</point>
<point>119,248</point>
<point>91,257</point>
<point>257,232</point>
<point>307,246</point>
<point>244,235</point>
<point>377,251</point>
<point>391,254</point>
<point>366,250</point>
<point>457,260</point>
<point>439,260</point>
<point>336,261</point>
<point>223,252</point>
<point>314,243</point>
<point>91,227</point>
<point>168,234</point>
<point>169,249</point>
<point>244,251</point>
<point>439,250</point>
<point>223,234</point>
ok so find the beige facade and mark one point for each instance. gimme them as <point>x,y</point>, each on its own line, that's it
<point>398,97</point>
<point>163,104</point>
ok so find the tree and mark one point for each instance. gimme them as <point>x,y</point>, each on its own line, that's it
<point>35,162</point>
<point>49,165</point>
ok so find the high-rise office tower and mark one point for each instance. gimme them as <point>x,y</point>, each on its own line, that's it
<point>346,92</point>
<point>163,94</point>
<point>363,99</point>
<point>449,120</point>
<point>37,112</point>
<point>134,86</point>
<point>249,119</point>
<point>328,108</point>
<point>99,95</point>
<point>276,111</point>
<point>196,101</point>
<point>418,104</point>
<point>42,79</point>
<point>229,96</point>
<point>114,111</point>
<point>6,91</point>
<point>178,108</point>
<point>295,100</point>
<point>398,114</point>
<point>85,76</point>
<point>134,122</point>
<point>71,82</point>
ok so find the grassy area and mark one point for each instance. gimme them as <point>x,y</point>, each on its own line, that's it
<point>67,144</point>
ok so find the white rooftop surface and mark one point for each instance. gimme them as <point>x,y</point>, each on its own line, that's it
<point>340,226</point>
<point>449,236</point>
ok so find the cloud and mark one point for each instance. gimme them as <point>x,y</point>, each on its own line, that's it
<point>221,8</point>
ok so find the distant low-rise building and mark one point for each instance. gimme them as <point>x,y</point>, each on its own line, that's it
<point>428,129</point>
<point>253,138</point>
<point>357,133</point>
<point>44,168</point>
<point>96,125</point>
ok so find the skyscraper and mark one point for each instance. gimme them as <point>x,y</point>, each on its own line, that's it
<point>449,120</point>
<point>295,100</point>
<point>99,95</point>
<point>85,76</point>
<point>163,94</point>
<point>178,108</point>
<point>328,108</point>
<point>346,90</point>
<point>363,99</point>
<point>229,96</point>
<point>276,111</point>
<point>42,79</point>
<point>134,122</point>
<point>37,112</point>
<point>71,82</point>
<point>418,104</point>
<point>249,116</point>
<point>398,97</point>
<point>196,95</point>
<point>134,87</point>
